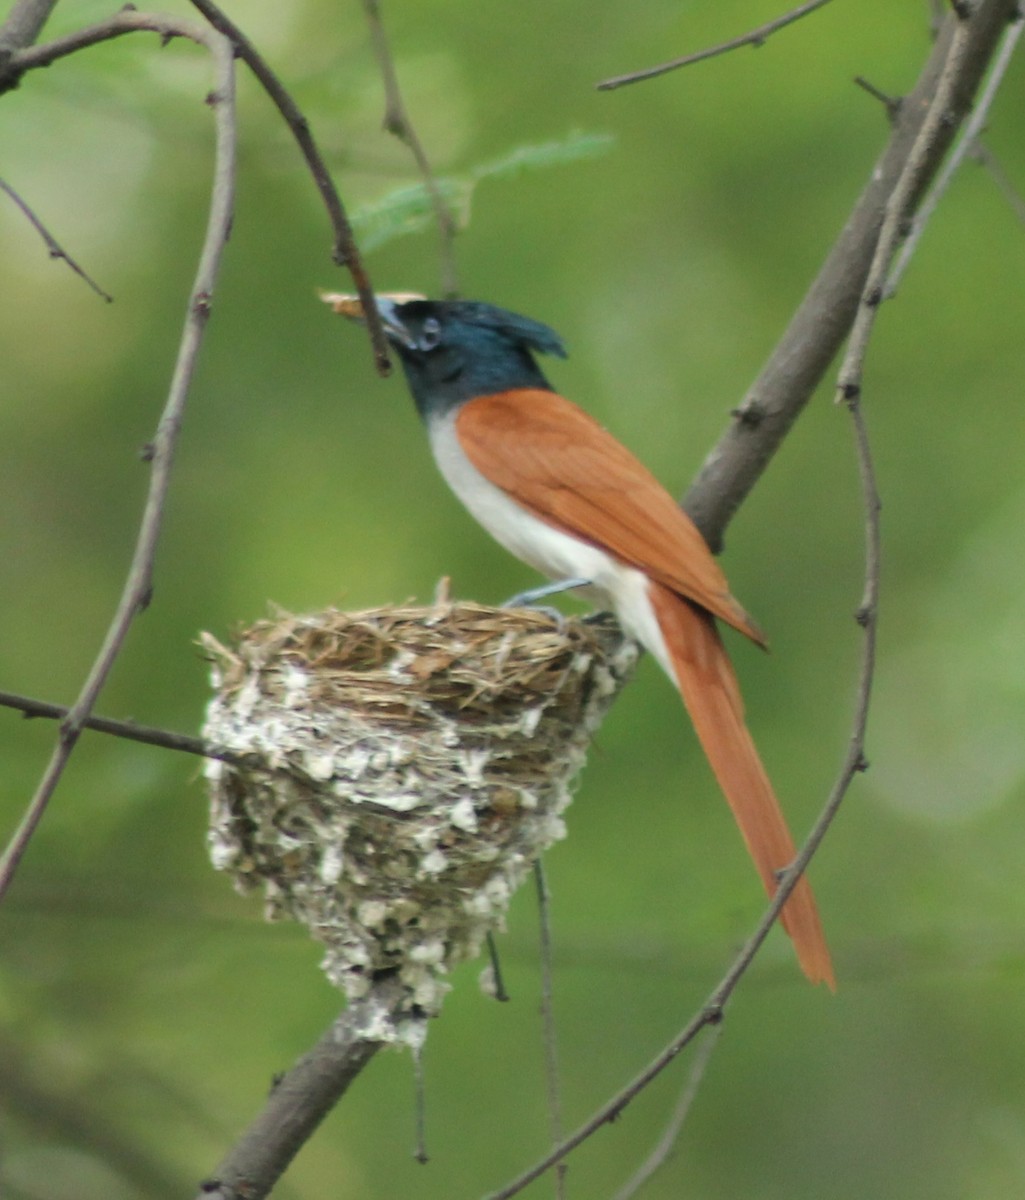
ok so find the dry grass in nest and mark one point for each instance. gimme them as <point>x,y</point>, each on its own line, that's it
<point>405,768</point>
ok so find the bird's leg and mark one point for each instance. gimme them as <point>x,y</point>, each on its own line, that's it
<point>529,598</point>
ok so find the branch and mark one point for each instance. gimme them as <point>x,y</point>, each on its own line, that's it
<point>24,24</point>
<point>757,37</point>
<point>396,121</point>
<point>54,247</point>
<point>300,1100</point>
<point>125,21</point>
<point>138,586</point>
<point>821,323</point>
<point>346,253</point>
<point>129,730</point>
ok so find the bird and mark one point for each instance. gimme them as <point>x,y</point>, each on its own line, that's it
<point>562,494</point>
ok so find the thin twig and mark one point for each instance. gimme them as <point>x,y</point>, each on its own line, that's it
<point>420,1105</point>
<point>757,37</point>
<point>891,104</point>
<point>345,253</point>
<point>967,145</point>
<point>55,248</point>
<point>548,1034</point>
<point>671,1135</point>
<point>897,212</point>
<point>149,735</point>
<point>497,980</point>
<point>139,583</point>
<point>1005,185</point>
<point>712,1011</point>
<point>397,121</point>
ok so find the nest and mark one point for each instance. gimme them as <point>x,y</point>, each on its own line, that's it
<point>403,769</point>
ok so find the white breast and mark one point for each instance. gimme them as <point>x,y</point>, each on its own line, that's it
<point>558,555</point>
<point>546,549</point>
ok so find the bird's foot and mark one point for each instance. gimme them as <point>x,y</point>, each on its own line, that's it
<point>530,598</point>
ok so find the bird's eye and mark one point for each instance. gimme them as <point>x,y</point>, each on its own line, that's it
<point>430,334</point>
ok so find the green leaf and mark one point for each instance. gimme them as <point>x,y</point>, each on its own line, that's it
<point>410,208</point>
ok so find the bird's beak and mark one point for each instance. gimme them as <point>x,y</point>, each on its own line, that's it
<point>387,303</point>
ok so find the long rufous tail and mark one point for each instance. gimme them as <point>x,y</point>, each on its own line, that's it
<point>709,689</point>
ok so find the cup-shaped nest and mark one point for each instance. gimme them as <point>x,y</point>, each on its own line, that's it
<point>402,770</point>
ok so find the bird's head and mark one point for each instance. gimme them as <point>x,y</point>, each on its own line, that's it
<point>453,350</point>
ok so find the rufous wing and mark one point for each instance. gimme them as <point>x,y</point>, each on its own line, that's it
<point>556,461</point>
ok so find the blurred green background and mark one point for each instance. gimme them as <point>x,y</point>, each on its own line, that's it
<point>143,1005</point>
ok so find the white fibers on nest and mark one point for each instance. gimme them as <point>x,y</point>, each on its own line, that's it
<point>405,768</point>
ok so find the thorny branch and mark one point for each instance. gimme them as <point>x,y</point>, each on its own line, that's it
<point>139,583</point>
<point>345,251</point>
<point>17,57</point>
<point>128,20</point>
